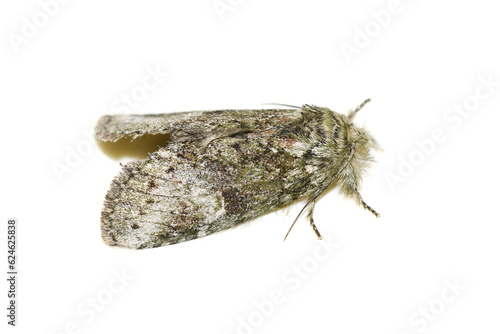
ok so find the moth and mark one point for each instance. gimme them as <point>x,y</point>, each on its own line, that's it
<point>225,167</point>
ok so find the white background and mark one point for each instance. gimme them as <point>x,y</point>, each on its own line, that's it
<point>439,225</point>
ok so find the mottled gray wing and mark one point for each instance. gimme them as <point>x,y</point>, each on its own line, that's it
<point>186,124</point>
<point>183,192</point>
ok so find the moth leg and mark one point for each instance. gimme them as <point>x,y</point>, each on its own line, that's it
<point>310,206</point>
<point>311,220</point>
<point>363,203</point>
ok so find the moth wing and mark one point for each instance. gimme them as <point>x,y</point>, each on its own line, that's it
<point>194,124</point>
<point>182,192</point>
<point>157,202</point>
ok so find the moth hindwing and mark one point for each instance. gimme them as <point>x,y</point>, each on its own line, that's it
<point>222,168</point>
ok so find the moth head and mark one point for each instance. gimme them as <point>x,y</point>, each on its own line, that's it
<point>361,143</point>
<point>358,137</point>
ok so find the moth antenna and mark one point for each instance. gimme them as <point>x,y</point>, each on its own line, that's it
<point>281,104</point>
<point>353,113</point>
<point>297,218</point>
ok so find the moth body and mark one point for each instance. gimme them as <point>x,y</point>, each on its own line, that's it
<point>223,168</point>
